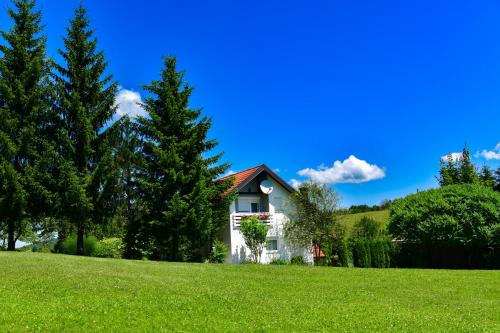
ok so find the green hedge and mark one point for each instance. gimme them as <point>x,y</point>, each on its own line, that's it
<point>69,245</point>
<point>106,248</point>
<point>371,253</point>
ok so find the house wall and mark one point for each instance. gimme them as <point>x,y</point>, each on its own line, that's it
<point>278,205</point>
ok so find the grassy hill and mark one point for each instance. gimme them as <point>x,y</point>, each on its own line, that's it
<point>381,217</point>
<point>48,292</point>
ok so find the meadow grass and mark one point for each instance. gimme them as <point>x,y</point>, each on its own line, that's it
<point>49,292</point>
<point>381,216</point>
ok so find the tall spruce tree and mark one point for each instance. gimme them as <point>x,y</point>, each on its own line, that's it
<point>459,171</point>
<point>185,204</point>
<point>487,177</point>
<point>24,73</point>
<point>467,170</point>
<point>85,104</point>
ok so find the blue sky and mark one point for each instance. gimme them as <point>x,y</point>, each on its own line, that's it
<point>297,85</point>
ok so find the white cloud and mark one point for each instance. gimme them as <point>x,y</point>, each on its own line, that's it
<point>351,170</point>
<point>295,183</point>
<point>229,173</point>
<point>493,154</point>
<point>454,156</point>
<point>128,103</point>
<point>277,170</point>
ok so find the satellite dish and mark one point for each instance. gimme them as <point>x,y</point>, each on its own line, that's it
<point>266,186</point>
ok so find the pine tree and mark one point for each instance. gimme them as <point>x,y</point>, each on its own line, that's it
<point>85,105</point>
<point>497,180</point>
<point>467,170</point>
<point>448,171</point>
<point>185,204</point>
<point>24,72</point>
<point>487,178</point>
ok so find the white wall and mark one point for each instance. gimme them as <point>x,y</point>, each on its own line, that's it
<point>278,200</point>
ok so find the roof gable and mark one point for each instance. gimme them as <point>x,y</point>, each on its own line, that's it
<point>241,179</point>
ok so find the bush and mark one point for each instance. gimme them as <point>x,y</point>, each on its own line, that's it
<point>109,248</point>
<point>69,245</point>
<point>454,214</point>
<point>255,233</point>
<point>361,255</point>
<point>366,228</point>
<point>297,260</point>
<point>339,249</point>
<point>279,261</point>
<point>219,252</point>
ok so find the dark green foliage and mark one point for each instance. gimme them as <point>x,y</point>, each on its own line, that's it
<point>487,177</point>
<point>453,226</point>
<point>297,260</point>
<point>69,245</point>
<point>279,262</point>
<point>185,207</point>
<point>85,105</point>
<point>254,233</point>
<point>24,72</point>
<point>458,171</point>
<point>219,252</point>
<point>361,255</point>
<point>497,180</point>
<point>456,214</point>
<point>108,248</point>
<point>354,209</point>
<point>338,252</point>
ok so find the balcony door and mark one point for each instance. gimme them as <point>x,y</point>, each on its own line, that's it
<point>248,205</point>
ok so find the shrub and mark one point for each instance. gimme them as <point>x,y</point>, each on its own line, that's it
<point>297,260</point>
<point>344,254</point>
<point>109,248</point>
<point>219,252</point>
<point>279,261</point>
<point>366,228</point>
<point>255,233</point>
<point>69,245</point>
<point>339,249</point>
<point>361,253</point>
<point>454,214</point>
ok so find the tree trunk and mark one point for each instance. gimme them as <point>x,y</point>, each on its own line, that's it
<point>79,240</point>
<point>11,240</point>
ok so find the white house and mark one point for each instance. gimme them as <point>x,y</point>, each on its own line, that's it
<point>260,191</point>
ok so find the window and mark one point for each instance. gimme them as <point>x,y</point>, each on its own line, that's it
<point>254,207</point>
<point>272,245</point>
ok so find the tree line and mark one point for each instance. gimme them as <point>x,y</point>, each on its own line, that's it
<point>69,166</point>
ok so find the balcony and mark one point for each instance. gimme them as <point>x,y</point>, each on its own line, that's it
<point>265,217</point>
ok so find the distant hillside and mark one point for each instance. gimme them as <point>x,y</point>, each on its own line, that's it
<point>381,216</point>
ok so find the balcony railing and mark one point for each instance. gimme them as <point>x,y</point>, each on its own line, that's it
<point>265,217</point>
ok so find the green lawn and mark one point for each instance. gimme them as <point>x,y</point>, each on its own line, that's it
<point>381,216</point>
<point>48,292</point>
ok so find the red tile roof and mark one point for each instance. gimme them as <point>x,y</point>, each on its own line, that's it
<point>243,177</point>
<point>240,177</point>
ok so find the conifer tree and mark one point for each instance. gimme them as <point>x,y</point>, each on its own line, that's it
<point>467,170</point>
<point>24,72</point>
<point>486,177</point>
<point>185,204</point>
<point>497,180</point>
<point>85,105</point>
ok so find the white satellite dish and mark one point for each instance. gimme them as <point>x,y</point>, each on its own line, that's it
<point>266,186</point>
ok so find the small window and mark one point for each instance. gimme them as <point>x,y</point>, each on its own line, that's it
<point>272,245</point>
<point>254,207</point>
